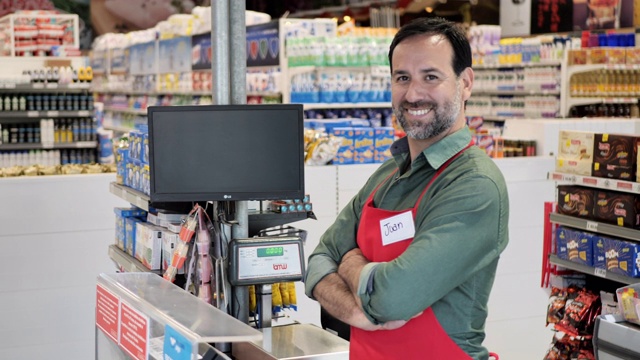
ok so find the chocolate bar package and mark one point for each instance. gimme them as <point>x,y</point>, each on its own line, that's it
<point>612,149</point>
<point>575,201</point>
<point>575,145</point>
<point>618,208</point>
<point>613,171</point>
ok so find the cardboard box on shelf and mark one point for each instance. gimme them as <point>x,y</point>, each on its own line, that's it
<point>575,201</point>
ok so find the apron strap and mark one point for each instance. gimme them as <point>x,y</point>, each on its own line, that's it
<point>440,170</point>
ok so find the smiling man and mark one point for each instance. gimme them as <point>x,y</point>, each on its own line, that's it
<point>409,263</point>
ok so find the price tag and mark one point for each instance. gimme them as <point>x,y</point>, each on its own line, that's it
<point>10,86</point>
<point>592,226</point>
<point>83,113</point>
<point>600,272</point>
<point>52,86</point>
<point>53,113</point>
<point>33,113</point>
<point>38,86</point>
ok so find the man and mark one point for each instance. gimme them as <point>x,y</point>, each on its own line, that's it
<point>409,263</point>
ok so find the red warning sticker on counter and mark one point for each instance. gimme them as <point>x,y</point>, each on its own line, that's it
<point>134,332</point>
<point>107,312</point>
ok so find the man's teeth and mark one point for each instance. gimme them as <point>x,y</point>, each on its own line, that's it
<point>418,112</point>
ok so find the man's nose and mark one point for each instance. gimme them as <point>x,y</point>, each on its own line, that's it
<point>415,92</point>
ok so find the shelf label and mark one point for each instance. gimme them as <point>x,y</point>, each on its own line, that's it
<point>83,113</point>
<point>10,86</point>
<point>556,176</point>
<point>134,332</point>
<point>176,346</point>
<point>589,181</point>
<point>38,86</point>
<point>53,113</point>
<point>52,86</point>
<point>33,113</point>
<point>624,185</point>
<point>600,272</point>
<point>107,314</point>
<point>592,226</point>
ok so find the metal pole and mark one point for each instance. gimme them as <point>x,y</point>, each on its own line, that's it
<point>238,60</point>
<point>220,51</point>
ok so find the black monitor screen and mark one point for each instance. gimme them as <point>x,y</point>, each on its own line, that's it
<point>226,152</point>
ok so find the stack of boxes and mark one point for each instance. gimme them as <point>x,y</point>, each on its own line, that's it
<point>601,252</point>
<point>149,237</point>
<point>133,162</point>
<point>606,156</point>
<point>363,145</point>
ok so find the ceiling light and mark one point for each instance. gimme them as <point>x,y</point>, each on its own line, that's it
<point>428,9</point>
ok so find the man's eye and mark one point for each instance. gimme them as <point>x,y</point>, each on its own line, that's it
<point>431,77</point>
<point>402,78</point>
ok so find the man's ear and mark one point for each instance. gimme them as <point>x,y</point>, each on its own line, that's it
<point>467,77</point>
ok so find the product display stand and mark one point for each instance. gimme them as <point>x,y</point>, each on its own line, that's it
<point>143,316</point>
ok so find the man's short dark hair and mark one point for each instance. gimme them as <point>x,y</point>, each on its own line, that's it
<point>437,26</point>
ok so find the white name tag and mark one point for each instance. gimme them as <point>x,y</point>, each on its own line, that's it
<point>397,228</point>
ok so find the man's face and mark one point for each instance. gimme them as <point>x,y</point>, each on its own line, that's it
<point>427,97</point>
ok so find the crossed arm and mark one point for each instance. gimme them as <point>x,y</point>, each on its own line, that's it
<point>337,293</point>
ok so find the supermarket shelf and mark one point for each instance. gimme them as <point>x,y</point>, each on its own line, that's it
<point>347,105</point>
<point>123,129</point>
<point>516,92</point>
<point>38,146</point>
<point>577,101</point>
<point>42,87</point>
<point>594,226</point>
<point>554,259</point>
<point>519,65</point>
<point>596,182</point>
<point>259,220</point>
<point>152,93</point>
<point>126,262</point>
<point>265,93</point>
<point>126,110</point>
<point>21,115</point>
<point>130,195</point>
<point>573,69</point>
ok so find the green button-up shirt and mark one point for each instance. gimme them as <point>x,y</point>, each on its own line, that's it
<point>461,227</point>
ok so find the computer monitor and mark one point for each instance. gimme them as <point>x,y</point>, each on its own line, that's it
<point>226,152</point>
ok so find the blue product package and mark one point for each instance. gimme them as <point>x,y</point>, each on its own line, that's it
<point>345,152</point>
<point>576,246</point>
<point>121,215</point>
<point>130,224</point>
<point>383,137</point>
<point>622,257</point>
<point>363,145</point>
<point>144,148</point>
<point>599,253</point>
<point>134,145</point>
<point>122,158</point>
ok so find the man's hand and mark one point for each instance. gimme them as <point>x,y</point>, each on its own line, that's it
<point>350,267</point>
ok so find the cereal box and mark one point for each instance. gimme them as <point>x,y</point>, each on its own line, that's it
<point>346,150</point>
<point>382,141</point>
<point>363,145</point>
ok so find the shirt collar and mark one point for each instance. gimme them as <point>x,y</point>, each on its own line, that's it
<point>438,153</point>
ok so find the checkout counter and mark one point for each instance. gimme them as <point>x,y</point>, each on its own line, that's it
<point>142,316</point>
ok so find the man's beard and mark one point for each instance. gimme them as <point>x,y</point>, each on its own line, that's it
<point>444,117</point>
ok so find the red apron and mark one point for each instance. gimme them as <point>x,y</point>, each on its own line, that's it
<point>421,337</point>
